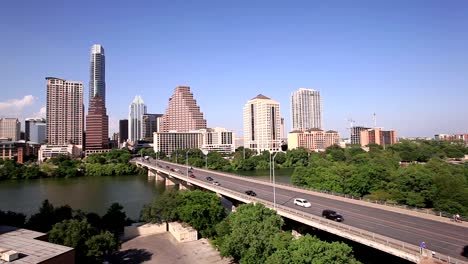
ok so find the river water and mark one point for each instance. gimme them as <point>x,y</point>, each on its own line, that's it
<point>94,194</point>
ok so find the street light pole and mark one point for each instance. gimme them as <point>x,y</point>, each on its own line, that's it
<point>274,182</point>
<point>186,161</point>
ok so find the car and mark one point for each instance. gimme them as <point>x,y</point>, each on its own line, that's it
<point>332,215</point>
<point>216,183</point>
<point>302,202</point>
<point>209,178</point>
<point>192,176</point>
<point>250,192</point>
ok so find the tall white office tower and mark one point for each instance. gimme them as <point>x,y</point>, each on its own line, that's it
<point>135,119</point>
<point>306,109</point>
<point>97,73</point>
<point>262,124</point>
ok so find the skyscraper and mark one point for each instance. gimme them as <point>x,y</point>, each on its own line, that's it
<point>64,112</point>
<point>135,117</point>
<point>97,121</point>
<point>182,114</point>
<point>262,124</point>
<point>97,125</point>
<point>123,130</point>
<point>35,130</point>
<point>97,72</point>
<point>306,109</point>
<point>10,128</point>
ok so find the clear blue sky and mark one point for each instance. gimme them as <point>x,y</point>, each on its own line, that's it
<point>407,61</point>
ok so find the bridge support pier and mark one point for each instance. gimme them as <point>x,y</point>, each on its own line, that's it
<point>171,181</point>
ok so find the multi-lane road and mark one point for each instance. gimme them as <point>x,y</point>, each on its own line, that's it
<point>443,237</point>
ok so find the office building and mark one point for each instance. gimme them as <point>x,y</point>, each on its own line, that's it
<point>10,128</point>
<point>182,114</point>
<point>35,130</point>
<point>168,142</point>
<point>123,130</point>
<point>64,114</point>
<point>218,139</point>
<point>452,137</point>
<point>97,72</point>
<point>262,124</point>
<point>313,139</point>
<point>135,119</point>
<point>377,136</point>
<point>97,126</point>
<point>151,124</point>
<point>306,109</point>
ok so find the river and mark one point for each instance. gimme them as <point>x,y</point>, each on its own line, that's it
<point>94,194</point>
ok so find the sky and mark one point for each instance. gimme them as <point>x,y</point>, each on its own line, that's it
<point>405,61</point>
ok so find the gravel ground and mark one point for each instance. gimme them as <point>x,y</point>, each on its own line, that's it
<point>163,248</point>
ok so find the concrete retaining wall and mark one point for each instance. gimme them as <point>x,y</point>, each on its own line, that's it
<point>183,232</point>
<point>143,230</point>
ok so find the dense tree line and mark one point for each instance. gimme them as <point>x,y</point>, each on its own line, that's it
<point>251,234</point>
<point>115,162</point>
<point>93,237</point>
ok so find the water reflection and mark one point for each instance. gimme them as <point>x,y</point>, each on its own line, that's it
<point>94,194</point>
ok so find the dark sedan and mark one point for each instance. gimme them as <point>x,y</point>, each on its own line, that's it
<point>251,193</point>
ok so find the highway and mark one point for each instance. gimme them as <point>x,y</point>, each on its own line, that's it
<point>446,238</point>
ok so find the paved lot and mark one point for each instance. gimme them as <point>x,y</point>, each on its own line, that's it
<point>163,248</point>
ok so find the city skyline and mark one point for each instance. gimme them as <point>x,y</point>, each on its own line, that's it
<point>364,57</point>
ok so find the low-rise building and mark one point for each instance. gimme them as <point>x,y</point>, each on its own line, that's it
<point>27,246</point>
<point>313,139</point>
<point>17,150</point>
<point>47,152</point>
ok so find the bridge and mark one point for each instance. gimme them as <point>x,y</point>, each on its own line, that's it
<point>393,230</point>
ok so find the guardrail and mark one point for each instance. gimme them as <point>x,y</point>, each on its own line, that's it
<point>331,226</point>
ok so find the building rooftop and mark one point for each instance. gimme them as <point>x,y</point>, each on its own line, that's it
<point>26,243</point>
<point>260,96</point>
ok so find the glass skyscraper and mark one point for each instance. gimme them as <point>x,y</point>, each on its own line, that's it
<point>135,119</point>
<point>97,78</point>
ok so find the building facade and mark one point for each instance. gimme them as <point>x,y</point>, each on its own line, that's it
<point>168,142</point>
<point>218,139</point>
<point>356,134</point>
<point>452,137</point>
<point>35,130</point>
<point>377,136</point>
<point>97,73</point>
<point>65,112</point>
<point>262,124</point>
<point>306,109</point>
<point>123,130</point>
<point>313,139</point>
<point>10,128</point>
<point>135,119</point>
<point>151,124</point>
<point>97,125</point>
<point>17,150</point>
<point>182,114</point>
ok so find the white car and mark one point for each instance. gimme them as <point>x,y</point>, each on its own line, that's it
<point>302,202</point>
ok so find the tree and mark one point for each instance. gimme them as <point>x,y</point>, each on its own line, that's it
<point>114,219</point>
<point>12,219</point>
<point>163,208</point>
<point>309,249</point>
<point>101,245</point>
<point>72,233</point>
<point>248,234</point>
<point>201,210</point>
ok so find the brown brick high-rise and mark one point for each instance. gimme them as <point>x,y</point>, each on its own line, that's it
<point>97,125</point>
<point>182,114</point>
